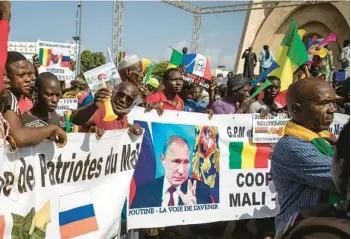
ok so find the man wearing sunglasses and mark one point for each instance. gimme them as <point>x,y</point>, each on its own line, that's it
<point>91,116</point>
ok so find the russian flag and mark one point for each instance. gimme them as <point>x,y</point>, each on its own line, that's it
<point>197,64</point>
<point>77,215</point>
<point>2,226</point>
<point>65,61</point>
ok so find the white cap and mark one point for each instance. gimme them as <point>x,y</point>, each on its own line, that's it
<point>128,61</point>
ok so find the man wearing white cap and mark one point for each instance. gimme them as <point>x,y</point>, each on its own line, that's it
<point>130,69</point>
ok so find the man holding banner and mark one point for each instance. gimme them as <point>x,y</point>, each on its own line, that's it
<point>91,116</point>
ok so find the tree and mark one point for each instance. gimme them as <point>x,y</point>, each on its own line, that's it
<point>91,60</point>
<point>159,69</point>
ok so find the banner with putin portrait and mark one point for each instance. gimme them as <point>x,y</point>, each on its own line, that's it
<point>193,170</point>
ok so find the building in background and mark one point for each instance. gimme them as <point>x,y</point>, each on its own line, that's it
<point>28,49</point>
<point>268,26</point>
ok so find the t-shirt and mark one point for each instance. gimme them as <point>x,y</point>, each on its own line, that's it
<point>256,106</point>
<point>31,121</point>
<point>160,97</point>
<point>224,107</point>
<point>25,105</point>
<point>4,132</point>
<point>85,98</point>
<point>9,102</point>
<point>193,106</point>
<point>98,119</point>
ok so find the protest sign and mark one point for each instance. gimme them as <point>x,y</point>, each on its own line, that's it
<point>221,173</point>
<point>197,80</point>
<point>269,129</point>
<point>66,104</point>
<point>106,72</point>
<point>79,190</point>
<point>55,57</point>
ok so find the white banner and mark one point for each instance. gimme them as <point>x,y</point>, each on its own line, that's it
<point>79,190</point>
<point>220,173</point>
<point>55,57</point>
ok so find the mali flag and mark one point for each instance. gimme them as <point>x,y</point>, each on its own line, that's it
<point>45,56</point>
<point>247,155</point>
<point>291,54</point>
<point>176,59</point>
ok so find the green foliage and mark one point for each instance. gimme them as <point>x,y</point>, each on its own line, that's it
<point>159,69</point>
<point>91,60</point>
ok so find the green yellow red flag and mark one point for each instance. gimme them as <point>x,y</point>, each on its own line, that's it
<point>291,54</point>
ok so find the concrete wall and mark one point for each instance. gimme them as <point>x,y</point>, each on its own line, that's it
<point>269,27</point>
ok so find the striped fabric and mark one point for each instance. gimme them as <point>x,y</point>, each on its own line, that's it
<point>301,175</point>
<point>13,104</point>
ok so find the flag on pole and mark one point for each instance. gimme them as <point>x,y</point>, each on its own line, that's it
<point>264,75</point>
<point>122,54</point>
<point>197,64</point>
<point>291,54</point>
<point>261,88</point>
<point>145,63</point>
<point>176,59</point>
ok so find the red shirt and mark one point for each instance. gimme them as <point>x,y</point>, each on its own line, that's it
<point>159,97</point>
<point>98,119</point>
<point>4,34</point>
<point>25,105</point>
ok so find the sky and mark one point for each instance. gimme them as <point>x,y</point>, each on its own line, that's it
<point>148,27</point>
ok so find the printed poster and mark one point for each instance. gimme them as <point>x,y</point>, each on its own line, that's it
<point>269,129</point>
<point>197,80</point>
<point>107,72</point>
<point>212,168</point>
<point>55,57</point>
<point>65,105</point>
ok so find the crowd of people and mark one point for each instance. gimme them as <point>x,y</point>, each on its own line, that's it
<point>303,171</point>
